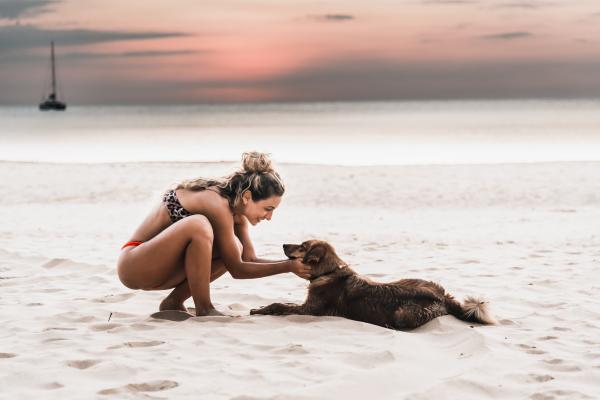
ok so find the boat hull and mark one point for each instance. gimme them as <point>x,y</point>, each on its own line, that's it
<point>52,106</point>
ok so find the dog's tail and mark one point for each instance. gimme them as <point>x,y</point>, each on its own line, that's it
<point>472,310</point>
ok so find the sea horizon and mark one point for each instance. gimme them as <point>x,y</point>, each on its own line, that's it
<point>325,133</point>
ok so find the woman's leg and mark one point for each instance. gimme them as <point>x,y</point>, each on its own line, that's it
<point>183,250</point>
<point>175,300</point>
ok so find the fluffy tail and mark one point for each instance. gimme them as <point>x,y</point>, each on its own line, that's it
<point>472,310</point>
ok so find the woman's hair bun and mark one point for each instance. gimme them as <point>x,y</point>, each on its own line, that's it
<point>256,162</point>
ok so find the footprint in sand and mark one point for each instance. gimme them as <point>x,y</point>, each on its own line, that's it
<point>7,355</point>
<point>117,314</point>
<point>150,343</point>
<point>155,386</point>
<point>104,327</point>
<point>561,329</point>
<point>541,396</point>
<point>84,318</point>
<point>171,315</point>
<point>291,349</point>
<point>534,255</point>
<point>558,364</point>
<point>559,394</point>
<point>548,338</point>
<point>58,339</point>
<point>55,262</point>
<point>566,368</point>
<point>51,385</point>
<point>59,328</point>
<point>142,327</point>
<point>82,364</point>
<point>554,361</point>
<point>531,349</point>
<point>50,290</point>
<point>540,378</point>
<point>113,298</point>
<point>536,351</point>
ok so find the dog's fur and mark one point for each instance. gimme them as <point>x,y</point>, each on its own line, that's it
<point>337,290</point>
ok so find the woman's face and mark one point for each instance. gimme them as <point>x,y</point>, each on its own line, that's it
<point>256,211</point>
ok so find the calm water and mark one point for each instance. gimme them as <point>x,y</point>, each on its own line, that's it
<point>325,133</point>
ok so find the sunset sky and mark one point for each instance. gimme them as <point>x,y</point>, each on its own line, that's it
<point>201,51</point>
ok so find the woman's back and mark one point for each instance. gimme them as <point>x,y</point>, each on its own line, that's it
<point>196,202</point>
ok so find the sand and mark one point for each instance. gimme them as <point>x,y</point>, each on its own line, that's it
<point>524,236</point>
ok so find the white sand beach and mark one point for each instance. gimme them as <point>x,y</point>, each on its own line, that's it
<point>524,236</point>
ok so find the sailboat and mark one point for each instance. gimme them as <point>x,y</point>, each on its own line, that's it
<point>52,102</point>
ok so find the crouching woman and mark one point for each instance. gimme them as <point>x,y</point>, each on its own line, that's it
<point>199,231</point>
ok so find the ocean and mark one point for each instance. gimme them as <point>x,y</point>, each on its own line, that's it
<point>357,133</point>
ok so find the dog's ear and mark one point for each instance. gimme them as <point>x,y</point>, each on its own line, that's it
<point>314,255</point>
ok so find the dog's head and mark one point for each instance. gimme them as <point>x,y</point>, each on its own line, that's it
<point>319,254</point>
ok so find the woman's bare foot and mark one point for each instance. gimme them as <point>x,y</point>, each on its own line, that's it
<point>170,304</point>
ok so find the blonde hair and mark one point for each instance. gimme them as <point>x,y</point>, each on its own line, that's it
<point>256,175</point>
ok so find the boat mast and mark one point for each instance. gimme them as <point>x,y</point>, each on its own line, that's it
<point>53,72</point>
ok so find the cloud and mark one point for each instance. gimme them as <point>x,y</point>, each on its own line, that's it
<point>340,79</point>
<point>507,36</point>
<point>22,37</point>
<point>332,17</point>
<point>14,9</point>
<point>351,79</point>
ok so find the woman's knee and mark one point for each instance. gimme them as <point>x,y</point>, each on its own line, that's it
<point>199,228</point>
<point>125,277</point>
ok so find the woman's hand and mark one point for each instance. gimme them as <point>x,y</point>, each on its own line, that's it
<point>299,268</point>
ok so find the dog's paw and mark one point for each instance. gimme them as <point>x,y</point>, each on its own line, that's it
<point>256,311</point>
<point>271,309</point>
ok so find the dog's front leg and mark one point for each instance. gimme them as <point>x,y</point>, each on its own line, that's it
<point>280,309</point>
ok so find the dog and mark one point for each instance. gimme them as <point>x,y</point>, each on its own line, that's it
<point>336,290</point>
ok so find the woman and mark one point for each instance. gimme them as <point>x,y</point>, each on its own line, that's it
<point>200,231</point>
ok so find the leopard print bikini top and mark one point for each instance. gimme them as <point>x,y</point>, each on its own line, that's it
<point>176,210</point>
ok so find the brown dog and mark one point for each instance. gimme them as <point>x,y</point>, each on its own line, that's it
<point>337,290</point>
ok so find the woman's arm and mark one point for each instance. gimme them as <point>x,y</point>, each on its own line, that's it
<point>240,229</point>
<point>224,236</point>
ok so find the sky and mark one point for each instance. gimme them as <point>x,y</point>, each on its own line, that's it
<point>205,51</point>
